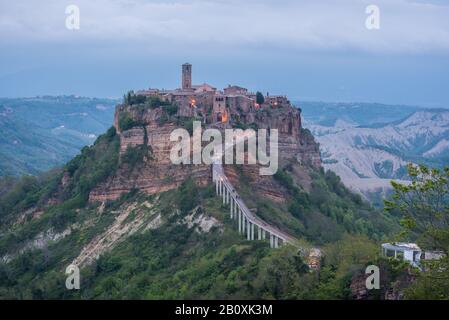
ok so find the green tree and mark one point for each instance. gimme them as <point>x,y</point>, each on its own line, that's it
<point>424,207</point>
<point>259,98</point>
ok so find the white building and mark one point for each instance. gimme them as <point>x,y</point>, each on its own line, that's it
<point>404,251</point>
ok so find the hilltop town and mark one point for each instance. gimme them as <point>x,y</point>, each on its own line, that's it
<point>148,117</point>
<point>211,104</point>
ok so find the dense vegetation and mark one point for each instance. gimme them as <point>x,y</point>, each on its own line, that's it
<point>175,261</point>
<point>92,166</point>
<point>172,261</point>
<point>58,205</point>
<point>424,207</point>
<point>329,209</point>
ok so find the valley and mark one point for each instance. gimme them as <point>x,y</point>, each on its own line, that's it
<point>368,145</point>
<point>40,133</point>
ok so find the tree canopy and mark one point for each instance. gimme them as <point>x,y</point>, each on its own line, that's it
<point>259,98</point>
<point>424,206</point>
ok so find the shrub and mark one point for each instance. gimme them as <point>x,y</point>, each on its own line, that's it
<point>259,98</point>
<point>92,166</point>
<point>188,196</point>
<point>171,109</point>
<point>126,122</point>
<point>134,155</point>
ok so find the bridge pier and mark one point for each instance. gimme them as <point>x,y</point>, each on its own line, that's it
<point>259,233</point>
<point>223,192</point>
<point>252,231</point>
<point>244,221</point>
<point>274,241</point>
<point>239,217</point>
<point>232,209</point>
<point>248,230</point>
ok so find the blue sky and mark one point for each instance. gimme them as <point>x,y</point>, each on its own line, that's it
<point>309,50</point>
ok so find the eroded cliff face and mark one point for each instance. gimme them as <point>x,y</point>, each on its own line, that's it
<point>264,186</point>
<point>309,150</point>
<point>151,128</point>
<point>294,142</point>
<point>155,173</point>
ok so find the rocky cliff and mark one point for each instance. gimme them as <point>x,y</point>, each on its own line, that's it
<point>264,186</point>
<point>154,173</point>
<point>145,132</point>
<point>294,142</point>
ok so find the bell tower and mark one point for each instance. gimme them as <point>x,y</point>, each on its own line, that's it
<point>186,76</point>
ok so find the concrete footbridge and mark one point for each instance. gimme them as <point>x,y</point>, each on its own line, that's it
<point>247,221</point>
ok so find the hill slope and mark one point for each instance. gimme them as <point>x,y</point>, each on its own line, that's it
<point>42,132</point>
<point>173,238</point>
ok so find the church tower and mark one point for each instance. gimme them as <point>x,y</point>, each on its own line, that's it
<point>186,76</point>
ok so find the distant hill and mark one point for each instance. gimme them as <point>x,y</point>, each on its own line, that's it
<point>42,132</point>
<point>367,145</point>
<point>359,114</point>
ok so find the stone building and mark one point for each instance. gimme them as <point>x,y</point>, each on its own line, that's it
<point>219,110</point>
<point>214,105</point>
<point>235,90</point>
<point>277,101</point>
<point>204,88</point>
<point>409,252</point>
<point>186,76</point>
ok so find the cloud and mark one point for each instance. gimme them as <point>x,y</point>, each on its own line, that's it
<point>406,26</point>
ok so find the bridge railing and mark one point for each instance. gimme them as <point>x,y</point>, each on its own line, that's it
<point>219,177</point>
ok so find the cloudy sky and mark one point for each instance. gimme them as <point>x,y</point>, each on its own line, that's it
<point>310,50</point>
